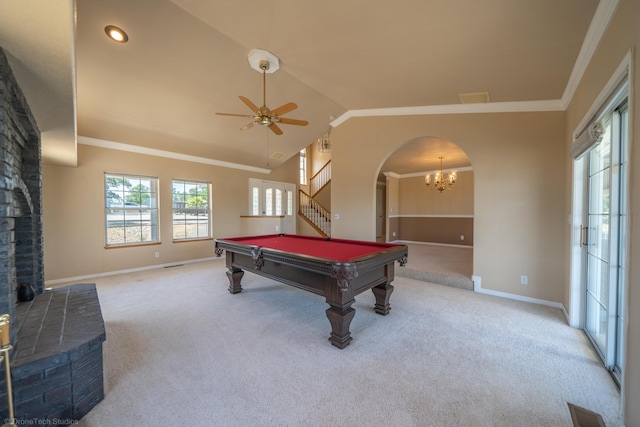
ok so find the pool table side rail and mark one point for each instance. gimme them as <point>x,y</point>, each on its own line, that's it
<point>301,237</point>
<point>243,256</point>
<point>391,252</point>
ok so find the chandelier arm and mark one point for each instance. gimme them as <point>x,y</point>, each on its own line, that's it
<point>440,182</point>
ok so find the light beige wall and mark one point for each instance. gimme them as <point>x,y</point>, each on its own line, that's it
<point>393,207</point>
<point>288,172</point>
<point>428,215</point>
<point>317,159</point>
<point>519,192</point>
<point>324,197</point>
<point>252,225</point>
<point>418,199</point>
<point>73,203</point>
<point>304,229</point>
<point>622,35</point>
<point>441,230</point>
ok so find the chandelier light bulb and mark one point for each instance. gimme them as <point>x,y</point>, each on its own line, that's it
<point>440,182</point>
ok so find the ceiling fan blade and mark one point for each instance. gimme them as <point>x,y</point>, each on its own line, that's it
<point>275,129</point>
<point>249,104</point>
<point>236,115</point>
<point>248,126</point>
<point>284,109</point>
<point>293,122</point>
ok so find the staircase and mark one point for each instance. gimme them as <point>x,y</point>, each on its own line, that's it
<point>309,209</point>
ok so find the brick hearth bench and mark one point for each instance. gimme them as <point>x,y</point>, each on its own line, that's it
<point>57,365</point>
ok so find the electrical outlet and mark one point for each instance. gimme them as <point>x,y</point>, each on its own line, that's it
<point>462,237</point>
<point>524,280</point>
<point>157,254</point>
<point>394,234</point>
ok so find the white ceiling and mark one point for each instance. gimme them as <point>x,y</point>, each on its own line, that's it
<point>187,59</point>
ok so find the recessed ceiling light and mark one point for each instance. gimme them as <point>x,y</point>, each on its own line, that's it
<point>116,34</point>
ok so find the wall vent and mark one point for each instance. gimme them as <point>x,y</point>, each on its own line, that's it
<point>475,98</point>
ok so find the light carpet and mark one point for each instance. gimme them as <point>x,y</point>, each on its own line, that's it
<point>181,350</point>
<point>445,265</point>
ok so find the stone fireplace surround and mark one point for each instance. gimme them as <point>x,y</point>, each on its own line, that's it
<point>56,360</point>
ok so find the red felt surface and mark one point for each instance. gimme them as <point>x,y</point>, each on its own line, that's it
<point>335,250</point>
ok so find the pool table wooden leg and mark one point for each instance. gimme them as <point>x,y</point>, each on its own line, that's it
<point>340,318</point>
<point>235,276</point>
<point>382,294</point>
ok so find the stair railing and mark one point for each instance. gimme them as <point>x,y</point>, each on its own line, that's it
<point>315,214</point>
<point>320,179</point>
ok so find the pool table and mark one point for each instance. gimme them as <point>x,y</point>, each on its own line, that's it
<point>337,269</point>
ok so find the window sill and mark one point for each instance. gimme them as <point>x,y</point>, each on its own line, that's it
<point>204,239</point>
<point>132,245</point>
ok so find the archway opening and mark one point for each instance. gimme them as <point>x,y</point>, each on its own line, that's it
<point>437,225</point>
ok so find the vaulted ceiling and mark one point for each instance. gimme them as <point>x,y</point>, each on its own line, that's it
<point>188,59</point>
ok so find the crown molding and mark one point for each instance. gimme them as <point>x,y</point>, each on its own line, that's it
<point>422,174</point>
<point>102,143</point>
<point>599,24</point>
<point>415,174</point>
<point>490,107</point>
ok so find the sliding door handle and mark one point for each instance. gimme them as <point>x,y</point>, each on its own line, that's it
<point>583,235</point>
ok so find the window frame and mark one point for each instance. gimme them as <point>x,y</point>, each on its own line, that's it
<point>206,208</point>
<point>120,210</point>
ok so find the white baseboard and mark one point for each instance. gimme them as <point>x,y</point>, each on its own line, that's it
<point>477,287</point>
<point>130,270</point>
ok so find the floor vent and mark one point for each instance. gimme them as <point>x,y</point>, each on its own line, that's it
<point>584,418</point>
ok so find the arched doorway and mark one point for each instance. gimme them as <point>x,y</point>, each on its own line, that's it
<point>437,225</point>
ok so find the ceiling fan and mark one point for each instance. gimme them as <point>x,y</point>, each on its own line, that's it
<point>263,115</point>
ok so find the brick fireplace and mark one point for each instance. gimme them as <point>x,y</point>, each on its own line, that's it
<point>20,195</point>
<point>56,360</point>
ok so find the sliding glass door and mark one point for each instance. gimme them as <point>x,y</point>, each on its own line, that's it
<point>606,237</point>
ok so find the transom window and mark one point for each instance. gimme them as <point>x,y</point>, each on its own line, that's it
<point>191,210</point>
<point>131,209</point>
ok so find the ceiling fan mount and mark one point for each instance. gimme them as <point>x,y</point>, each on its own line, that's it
<point>262,61</point>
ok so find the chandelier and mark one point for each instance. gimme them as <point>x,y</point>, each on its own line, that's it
<point>439,181</point>
<point>324,142</point>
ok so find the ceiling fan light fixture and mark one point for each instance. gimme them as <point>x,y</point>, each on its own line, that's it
<point>266,62</point>
<point>116,34</point>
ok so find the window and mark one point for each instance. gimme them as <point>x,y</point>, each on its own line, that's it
<point>131,209</point>
<point>303,166</point>
<point>191,210</point>
<point>255,200</point>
